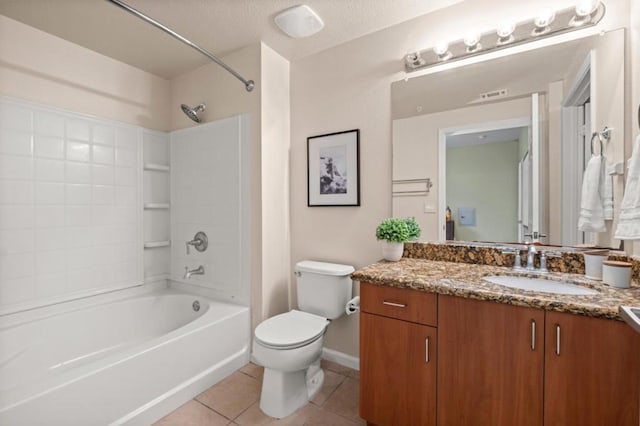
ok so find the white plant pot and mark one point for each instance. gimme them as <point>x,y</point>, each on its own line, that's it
<point>392,251</point>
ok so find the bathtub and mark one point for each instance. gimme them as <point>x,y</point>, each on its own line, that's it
<point>122,359</point>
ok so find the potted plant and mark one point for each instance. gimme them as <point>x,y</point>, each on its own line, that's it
<point>393,233</point>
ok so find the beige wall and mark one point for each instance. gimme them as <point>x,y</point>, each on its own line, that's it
<point>275,113</point>
<point>634,104</point>
<point>42,68</point>
<point>348,87</point>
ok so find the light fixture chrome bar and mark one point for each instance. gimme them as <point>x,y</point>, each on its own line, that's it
<point>566,20</point>
<point>248,84</point>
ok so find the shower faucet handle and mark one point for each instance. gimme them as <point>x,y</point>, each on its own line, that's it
<point>200,242</point>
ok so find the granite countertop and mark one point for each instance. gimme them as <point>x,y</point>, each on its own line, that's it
<point>465,280</point>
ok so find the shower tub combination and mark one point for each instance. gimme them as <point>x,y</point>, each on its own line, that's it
<point>128,357</point>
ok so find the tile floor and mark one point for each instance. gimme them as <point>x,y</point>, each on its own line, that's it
<point>236,399</point>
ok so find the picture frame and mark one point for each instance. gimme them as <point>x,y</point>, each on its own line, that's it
<point>333,169</point>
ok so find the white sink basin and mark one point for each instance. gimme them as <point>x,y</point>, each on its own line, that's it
<point>541,285</point>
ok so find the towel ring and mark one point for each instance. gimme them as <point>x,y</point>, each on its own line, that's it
<point>599,135</point>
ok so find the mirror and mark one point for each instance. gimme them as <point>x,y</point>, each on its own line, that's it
<point>499,147</point>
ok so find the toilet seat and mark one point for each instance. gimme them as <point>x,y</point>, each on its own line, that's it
<point>290,330</point>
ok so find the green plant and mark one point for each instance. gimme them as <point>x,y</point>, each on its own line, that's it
<point>414,228</point>
<point>393,230</point>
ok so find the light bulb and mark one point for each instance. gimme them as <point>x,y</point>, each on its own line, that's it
<point>441,48</point>
<point>585,8</point>
<point>544,18</point>
<point>506,29</point>
<point>472,41</point>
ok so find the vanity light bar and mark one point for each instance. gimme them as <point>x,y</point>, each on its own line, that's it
<point>547,24</point>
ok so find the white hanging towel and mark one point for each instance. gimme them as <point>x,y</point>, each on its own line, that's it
<point>591,217</point>
<point>607,197</point>
<point>629,222</point>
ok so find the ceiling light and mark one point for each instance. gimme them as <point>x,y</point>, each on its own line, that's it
<point>415,59</point>
<point>472,41</point>
<point>584,10</point>
<point>543,21</point>
<point>505,33</point>
<point>442,50</point>
<point>299,21</point>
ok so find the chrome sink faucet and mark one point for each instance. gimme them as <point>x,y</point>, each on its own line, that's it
<point>188,273</point>
<point>531,255</point>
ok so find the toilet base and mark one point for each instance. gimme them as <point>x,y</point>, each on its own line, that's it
<point>284,392</point>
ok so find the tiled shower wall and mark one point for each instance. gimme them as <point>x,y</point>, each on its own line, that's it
<point>70,205</point>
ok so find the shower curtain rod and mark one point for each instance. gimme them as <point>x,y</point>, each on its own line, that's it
<point>248,84</point>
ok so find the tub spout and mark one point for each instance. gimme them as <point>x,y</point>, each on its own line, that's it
<point>188,273</point>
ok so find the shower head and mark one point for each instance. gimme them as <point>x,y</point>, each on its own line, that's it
<point>192,113</point>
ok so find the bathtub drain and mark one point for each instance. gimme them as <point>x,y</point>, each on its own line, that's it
<point>196,306</point>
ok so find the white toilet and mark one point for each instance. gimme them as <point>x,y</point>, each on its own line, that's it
<point>289,345</point>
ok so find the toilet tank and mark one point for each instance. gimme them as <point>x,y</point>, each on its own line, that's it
<point>323,288</point>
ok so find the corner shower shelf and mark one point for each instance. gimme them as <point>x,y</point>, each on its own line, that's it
<point>156,206</point>
<point>157,167</point>
<point>156,244</point>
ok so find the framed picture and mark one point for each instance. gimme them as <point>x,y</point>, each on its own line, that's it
<point>333,175</point>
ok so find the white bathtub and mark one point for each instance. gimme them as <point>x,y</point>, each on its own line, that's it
<point>105,361</point>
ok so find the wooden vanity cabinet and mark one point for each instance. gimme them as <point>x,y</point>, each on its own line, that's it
<point>397,356</point>
<point>592,372</point>
<point>490,363</point>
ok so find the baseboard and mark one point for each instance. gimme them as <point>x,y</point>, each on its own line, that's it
<point>341,358</point>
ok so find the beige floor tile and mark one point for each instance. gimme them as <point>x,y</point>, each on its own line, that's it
<point>233,395</point>
<point>193,414</point>
<point>345,400</point>
<point>336,368</point>
<point>355,374</point>
<point>253,370</point>
<point>331,382</point>
<point>310,415</point>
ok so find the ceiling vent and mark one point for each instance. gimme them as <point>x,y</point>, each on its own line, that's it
<point>299,21</point>
<point>494,94</point>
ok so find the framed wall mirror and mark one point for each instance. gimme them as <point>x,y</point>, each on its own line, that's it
<point>504,143</point>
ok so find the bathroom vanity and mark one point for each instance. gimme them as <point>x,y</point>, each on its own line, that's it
<point>439,345</point>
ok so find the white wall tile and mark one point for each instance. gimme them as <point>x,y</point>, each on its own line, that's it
<point>15,117</point>
<point>104,275</point>
<point>126,272</point>
<point>48,147</point>
<point>78,151</point>
<point>125,215</point>
<point>15,241</point>
<point>126,157</point>
<point>14,167</point>
<point>126,176</point>
<point>80,279</point>
<point>51,262</point>
<point>102,175</point>
<point>50,216</point>
<point>49,124</point>
<point>78,237</point>
<point>49,170</point>
<point>51,285</point>
<point>16,266</point>
<point>78,194</point>
<point>103,194</point>
<point>79,130</point>
<point>103,235</point>
<point>127,137</point>
<point>79,258</point>
<point>17,290</point>
<point>16,217</point>
<point>15,143</point>
<point>16,192</point>
<point>103,154</point>
<point>103,255</point>
<point>49,193</point>
<point>102,216</point>
<point>77,172</point>
<point>126,196</point>
<point>77,216</point>
<point>103,134</point>
<point>50,239</point>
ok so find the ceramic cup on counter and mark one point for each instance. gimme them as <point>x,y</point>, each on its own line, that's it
<point>593,263</point>
<point>616,273</point>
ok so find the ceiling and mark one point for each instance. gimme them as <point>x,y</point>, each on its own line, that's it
<point>219,26</point>
<point>489,136</point>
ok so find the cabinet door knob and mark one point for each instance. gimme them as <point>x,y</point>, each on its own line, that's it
<point>533,335</point>
<point>426,350</point>
<point>558,339</point>
<point>397,305</point>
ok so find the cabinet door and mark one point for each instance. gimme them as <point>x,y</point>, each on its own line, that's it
<point>490,363</point>
<point>591,371</point>
<point>397,372</point>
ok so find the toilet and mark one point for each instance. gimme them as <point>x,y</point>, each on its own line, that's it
<point>289,345</point>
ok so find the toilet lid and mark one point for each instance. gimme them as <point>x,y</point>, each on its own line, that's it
<point>290,330</point>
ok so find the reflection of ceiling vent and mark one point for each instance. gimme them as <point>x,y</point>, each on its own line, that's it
<point>494,94</point>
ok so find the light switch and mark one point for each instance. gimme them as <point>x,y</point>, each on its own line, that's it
<point>467,216</point>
